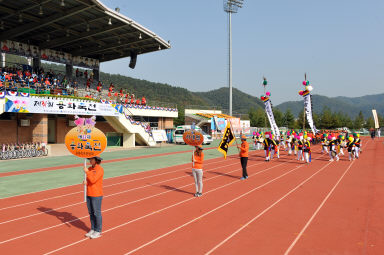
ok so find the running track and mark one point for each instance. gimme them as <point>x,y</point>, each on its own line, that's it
<point>285,207</point>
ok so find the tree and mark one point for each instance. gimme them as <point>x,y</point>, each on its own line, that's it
<point>279,117</point>
<point>359,121</point>
<point>301,120</point>
<point>180,120</point>
<point>257,117</point>
<point>369,123</point>
<point>326,119</point>
<point>289,119</point>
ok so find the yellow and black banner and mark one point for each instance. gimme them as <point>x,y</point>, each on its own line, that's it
<point>228,139</point>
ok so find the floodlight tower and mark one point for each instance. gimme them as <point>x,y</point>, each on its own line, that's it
<point>231,6</point>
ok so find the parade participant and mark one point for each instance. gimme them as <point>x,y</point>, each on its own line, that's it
<point>197,169</point>
<point>351,148</point>
<point>260,141</point>
<point>300,145</point>
<point>289,144</point>
<point>267,141</point>
<point>341,142</point>
<point>243,153</point>
<point>273,147</point>
<point>293,144</point>
<point>94,182</point>
<point>307,150</point>
<point>332,148</point>
<point>324,144</point>
<point>358,145</point>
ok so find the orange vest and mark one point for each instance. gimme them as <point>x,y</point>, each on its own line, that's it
<point>95,181</point>
<point>198,160</point>
<point>244,149</point>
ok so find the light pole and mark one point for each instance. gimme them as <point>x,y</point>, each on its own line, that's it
<point>231,6</point>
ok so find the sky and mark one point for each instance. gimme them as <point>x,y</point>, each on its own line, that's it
<point>338,43</point>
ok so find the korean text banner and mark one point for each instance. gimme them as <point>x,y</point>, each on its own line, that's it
<point>57,106</point>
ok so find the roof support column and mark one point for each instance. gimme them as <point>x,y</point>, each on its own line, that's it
<point>36,62</point>
<point>69,71</point>
<point>96,74</point>
<point>2,59</point>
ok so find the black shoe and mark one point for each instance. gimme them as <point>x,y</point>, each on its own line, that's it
<point>196,194</point>
<point>199,194</point>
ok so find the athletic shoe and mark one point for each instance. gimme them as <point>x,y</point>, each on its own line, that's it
<point>331,160</point>
<point>196,194</point>
<point>246,177</point>
<point>89,233</point>
<point>95,235</point>
<point>199,194</point>
<point>242,178</point>
<point>337,159</point>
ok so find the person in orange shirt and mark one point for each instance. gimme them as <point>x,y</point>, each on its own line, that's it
<point>243,153</point>
<point>94,184</point>
<point>197,169</point>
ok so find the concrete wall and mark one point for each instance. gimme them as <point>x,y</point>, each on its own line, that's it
<point>38,129</point>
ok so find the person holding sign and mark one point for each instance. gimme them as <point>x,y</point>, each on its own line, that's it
<point>94,182</point>
<point>243,153</point>
<point>197,169</point>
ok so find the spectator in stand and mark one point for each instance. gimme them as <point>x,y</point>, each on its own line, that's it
<point>47,83</point>
<point>143,101</point>
<point>132,100</point>
<point>86,74</point>
<point>77,72</point>
<point>126,101</point>
<point>138,102</point>
<point>88,85</point>
<point>99,89</point>
<point>109,95</point>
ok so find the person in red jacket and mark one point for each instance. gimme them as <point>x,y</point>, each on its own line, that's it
<point>143,101</point>
<point>243,153</point>
<point>197,169</point>
<point>94,182</point>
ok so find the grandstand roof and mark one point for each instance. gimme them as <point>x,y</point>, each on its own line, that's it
<point>84,28</point>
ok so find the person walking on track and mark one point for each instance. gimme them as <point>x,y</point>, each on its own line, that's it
<point>94,182</point>
<point>243,153</point>
<point>197,169</point>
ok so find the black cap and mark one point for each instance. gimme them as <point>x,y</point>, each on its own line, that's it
<point>97,158</point>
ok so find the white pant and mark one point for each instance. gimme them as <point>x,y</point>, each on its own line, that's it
<point>324,149</point>
<point>357,152</point>
<point>331,156</point>
<point>300,155</point>
<point>198,176</point>
<point>306,156</point>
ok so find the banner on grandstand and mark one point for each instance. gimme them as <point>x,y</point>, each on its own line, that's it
<point>375,118</point>
<point>27,50</point>
<point>245,126</point>
<point>268,110</point>
<point>220,123</point>
<point>236,127</point>
<point>21,49</point>
<point>57,106</point>
<point>308,112</point>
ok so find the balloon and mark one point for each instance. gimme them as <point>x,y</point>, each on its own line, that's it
<point>307,83</point>
<point>301,92</point>
<point>262,98</point>
<point>304,83</point>
<point>309,88</point>
<point>268,93</point>
<point>265,82</point>
<point>254,133</point>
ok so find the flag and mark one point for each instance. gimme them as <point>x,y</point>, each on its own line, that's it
<point>228,139</point>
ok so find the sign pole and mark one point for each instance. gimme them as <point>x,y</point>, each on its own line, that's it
<point>85,181</point>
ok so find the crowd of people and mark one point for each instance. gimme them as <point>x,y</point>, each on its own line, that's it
<point>15,78</point>
<point>300,144</point>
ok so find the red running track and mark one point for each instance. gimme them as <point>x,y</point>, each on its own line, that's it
<point>285,207</point>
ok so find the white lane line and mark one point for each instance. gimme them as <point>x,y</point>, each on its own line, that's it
<point>141,172</point>
<point>112,208</point>
<point>110,195</point>
<point>163,209</point>
<point>105,186</point>
<point>316,212</point>
<point>211,211</point>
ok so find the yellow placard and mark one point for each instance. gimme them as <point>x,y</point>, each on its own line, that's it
<point>85,143</point>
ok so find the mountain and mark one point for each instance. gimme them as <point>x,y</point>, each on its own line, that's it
<point>347,105</point>
<point>241,102</point>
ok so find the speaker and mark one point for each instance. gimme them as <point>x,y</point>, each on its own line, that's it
<point>132,64</point>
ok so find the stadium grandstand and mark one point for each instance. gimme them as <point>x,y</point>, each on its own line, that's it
<point>39,106</point>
